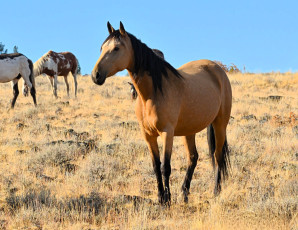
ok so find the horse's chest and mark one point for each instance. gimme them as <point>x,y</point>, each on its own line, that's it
<point>50,67</point>
<point>153,122</point>
<point>150,126</point>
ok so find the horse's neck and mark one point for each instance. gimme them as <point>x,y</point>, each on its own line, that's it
<point>39,67</point>
<point>171,86</point>
<point>143,85</point>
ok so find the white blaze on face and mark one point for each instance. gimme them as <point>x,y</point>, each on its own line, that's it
<point>110,44</point>
<point>10,68</point>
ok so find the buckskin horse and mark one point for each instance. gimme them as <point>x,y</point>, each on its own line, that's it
<point>13,67</point>
<point>172,102</point>
<point>57,64</point>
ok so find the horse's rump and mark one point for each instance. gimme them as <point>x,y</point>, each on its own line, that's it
<point>14,66</point>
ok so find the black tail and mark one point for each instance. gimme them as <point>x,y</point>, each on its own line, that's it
<point>211,143</point>
<point>224,164</point>
<point>31,76</point>
<point>32,80</point>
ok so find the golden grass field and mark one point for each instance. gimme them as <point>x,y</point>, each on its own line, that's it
<point>82,163</point>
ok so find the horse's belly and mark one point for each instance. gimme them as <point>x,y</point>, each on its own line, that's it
<point>199,108</point>
<point>193,123</point>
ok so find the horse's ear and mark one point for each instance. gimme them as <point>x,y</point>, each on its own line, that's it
<point>121,29</point>
<point>110,28</point>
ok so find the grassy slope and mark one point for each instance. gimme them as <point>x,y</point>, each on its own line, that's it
<point>74,185</point>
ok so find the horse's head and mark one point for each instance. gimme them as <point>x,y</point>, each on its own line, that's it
<point>25,90</point>
<point>116,55</point>
<point>133,91</point>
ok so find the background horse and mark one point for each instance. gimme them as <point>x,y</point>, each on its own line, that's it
<point>172,102</point>
<point>12,68</point>
<point>57,64</point>
<point>133,91</point>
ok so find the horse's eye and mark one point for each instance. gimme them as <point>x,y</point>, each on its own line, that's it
<point>116,48</point>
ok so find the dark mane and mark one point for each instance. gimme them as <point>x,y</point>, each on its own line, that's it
<point>147,61</point>
<point>12,55</point>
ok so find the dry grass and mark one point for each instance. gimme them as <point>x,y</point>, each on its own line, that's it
<point>82,163</point>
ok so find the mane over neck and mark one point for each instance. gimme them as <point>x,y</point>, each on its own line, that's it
<point>147,61</point>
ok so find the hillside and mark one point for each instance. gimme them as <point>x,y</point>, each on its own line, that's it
<point>82,163</point>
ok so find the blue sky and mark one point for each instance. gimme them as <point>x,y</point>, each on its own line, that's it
<point>258,34</point>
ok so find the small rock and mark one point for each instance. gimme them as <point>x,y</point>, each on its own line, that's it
<point>20,151</point>
<point>248,117</point>
<point>95,115</point>
<point>20,126</point>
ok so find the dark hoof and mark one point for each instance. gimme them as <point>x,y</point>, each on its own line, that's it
<point>217,190</point>
<point>160,198</point>
<point>164,199</point>
<point>185,198</point>
<point>167,198</point>
<point>185,193</point>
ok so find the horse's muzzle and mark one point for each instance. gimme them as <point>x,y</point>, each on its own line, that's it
<point>98,78</point>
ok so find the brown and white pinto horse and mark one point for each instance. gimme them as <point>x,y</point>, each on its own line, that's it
<point>12,68</point>
<point>57,64</point>
<point>172,102</point>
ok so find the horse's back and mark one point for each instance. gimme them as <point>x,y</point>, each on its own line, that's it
<point>205,72</point>
<point>196,67</point>
<point>59,63</point>
<point>72,60</point>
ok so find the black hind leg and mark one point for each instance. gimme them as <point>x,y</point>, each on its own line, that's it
<point>33,94</point>
<point>15,93</point>
<point>192,158</point>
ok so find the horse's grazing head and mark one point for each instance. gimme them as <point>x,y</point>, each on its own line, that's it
<point>133,91</point>
<point>25,90</point>
<point>116,55</point>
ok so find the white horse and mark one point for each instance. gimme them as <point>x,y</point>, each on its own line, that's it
<point>12,68</point>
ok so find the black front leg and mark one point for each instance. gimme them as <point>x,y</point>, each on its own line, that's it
<point>15,94</point>
<point>166,172</point>
<point>156,167</point>
<point>33,94</point>
<point>154,153</point>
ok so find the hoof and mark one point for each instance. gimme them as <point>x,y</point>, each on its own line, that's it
<point>160,198</point>
<point>183,198</point>
<point>217,190</point>
<point>167,198</point>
